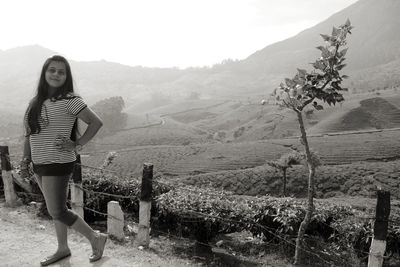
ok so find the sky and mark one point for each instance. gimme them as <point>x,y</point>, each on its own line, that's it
<point>158,33</point>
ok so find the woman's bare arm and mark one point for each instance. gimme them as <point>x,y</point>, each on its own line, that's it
<point>94,124</point>
<point>27,149</point>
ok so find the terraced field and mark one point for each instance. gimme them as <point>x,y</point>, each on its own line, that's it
<point>205,158</point>
<point>184,142</point>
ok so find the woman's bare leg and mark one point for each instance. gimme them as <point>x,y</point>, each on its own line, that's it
<point>55,190</point>
<point>60,228</point>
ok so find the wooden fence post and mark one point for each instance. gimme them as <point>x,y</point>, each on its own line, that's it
<point>9,192</point>
<point>115,220</point>
<point>76,191</point>
<point>145,205</point>
<point>378,244</point>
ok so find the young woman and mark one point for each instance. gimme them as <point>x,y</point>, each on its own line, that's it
<point>51,143</point>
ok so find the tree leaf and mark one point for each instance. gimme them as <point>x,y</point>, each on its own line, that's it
<point>289,82</point>
<point>335,85</point>
<point>302,73</point>
<point>326,37</point>
<point>341,66</point>
<point>325,52</point>
<point>339,98</point>
<point>318,65</point>
<point>319,107</point>
<point>347,23</point>
<point>335,31</point>
<point>343,52</point>
<point>329,90</point>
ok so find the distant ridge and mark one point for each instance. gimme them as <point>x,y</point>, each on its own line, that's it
<point>374,42</point>
<point>375,39</point>
<point>373,62</point>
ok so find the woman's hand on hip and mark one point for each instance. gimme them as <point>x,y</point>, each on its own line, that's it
<point>64,144</point>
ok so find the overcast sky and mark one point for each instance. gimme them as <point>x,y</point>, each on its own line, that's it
<point>158,33</point>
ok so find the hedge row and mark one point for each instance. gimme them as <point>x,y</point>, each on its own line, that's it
<point>356,179</point>
<point>203,213</point>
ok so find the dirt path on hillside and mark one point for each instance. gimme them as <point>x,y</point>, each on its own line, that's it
<point>26,239</point>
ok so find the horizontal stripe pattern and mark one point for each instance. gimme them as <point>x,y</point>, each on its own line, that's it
<point>58,118</point>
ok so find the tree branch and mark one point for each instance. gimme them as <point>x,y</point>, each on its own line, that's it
<point>306,103</point>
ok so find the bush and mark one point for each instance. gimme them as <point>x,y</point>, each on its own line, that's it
<point>204,213</point>
<point>99,188</point>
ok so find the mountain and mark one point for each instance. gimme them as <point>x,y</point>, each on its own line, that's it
<point>20,69</point>
<point>373,62</point>
<point>374,42</point>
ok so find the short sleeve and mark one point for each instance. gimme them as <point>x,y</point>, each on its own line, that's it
<point>75,105</point>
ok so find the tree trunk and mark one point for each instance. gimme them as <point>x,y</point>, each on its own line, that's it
<point>284,183</point>
<point>310,192</point>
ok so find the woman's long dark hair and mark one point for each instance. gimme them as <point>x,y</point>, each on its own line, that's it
<point>34,110</point>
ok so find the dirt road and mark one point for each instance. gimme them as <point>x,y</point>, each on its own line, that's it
<point>25,239</point>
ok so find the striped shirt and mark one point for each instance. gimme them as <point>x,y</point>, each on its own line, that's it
<point>57,119</point>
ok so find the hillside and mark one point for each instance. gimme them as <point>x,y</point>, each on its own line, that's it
<point>178,160</point>
<point>241,120</point>
<point>370,113</point>
<point>373,44</point>
<point>373,60</point>
<point>21,66</point>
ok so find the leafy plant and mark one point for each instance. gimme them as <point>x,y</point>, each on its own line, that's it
<point>101,187</point>
<point>321,84</point>
<point>283,163</point>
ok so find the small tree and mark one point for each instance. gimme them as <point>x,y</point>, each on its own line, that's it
<point>323,84</point>
<point>283,163</point>
<point>292,158</point>
<point>110,110</point>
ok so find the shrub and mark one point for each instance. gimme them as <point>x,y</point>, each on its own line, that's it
<point>204,213</point>
<point>99,188</point>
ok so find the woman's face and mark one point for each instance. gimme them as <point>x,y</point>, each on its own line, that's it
<point>56,74</point>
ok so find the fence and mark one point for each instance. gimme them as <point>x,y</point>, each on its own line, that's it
<point>115,216</point>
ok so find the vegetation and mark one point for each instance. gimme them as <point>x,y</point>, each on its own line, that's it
<point>110,111</point>
<point>203,213</point>
<point>323,83</point>
<point>339,230</point>
<point>283,163</point>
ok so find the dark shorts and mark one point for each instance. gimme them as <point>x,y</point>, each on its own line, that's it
<point>55,169</point>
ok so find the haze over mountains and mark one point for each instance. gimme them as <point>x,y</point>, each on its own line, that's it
<point>373,61</point>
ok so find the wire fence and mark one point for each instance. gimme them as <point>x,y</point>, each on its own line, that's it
<point>284,238</point>
<point>288,239</point>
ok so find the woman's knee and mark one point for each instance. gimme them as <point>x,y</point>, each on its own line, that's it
<point>63,215</point>
<point>56,212</point>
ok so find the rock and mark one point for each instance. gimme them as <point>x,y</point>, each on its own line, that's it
<point>219,243</point>
<point>33,203</point>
